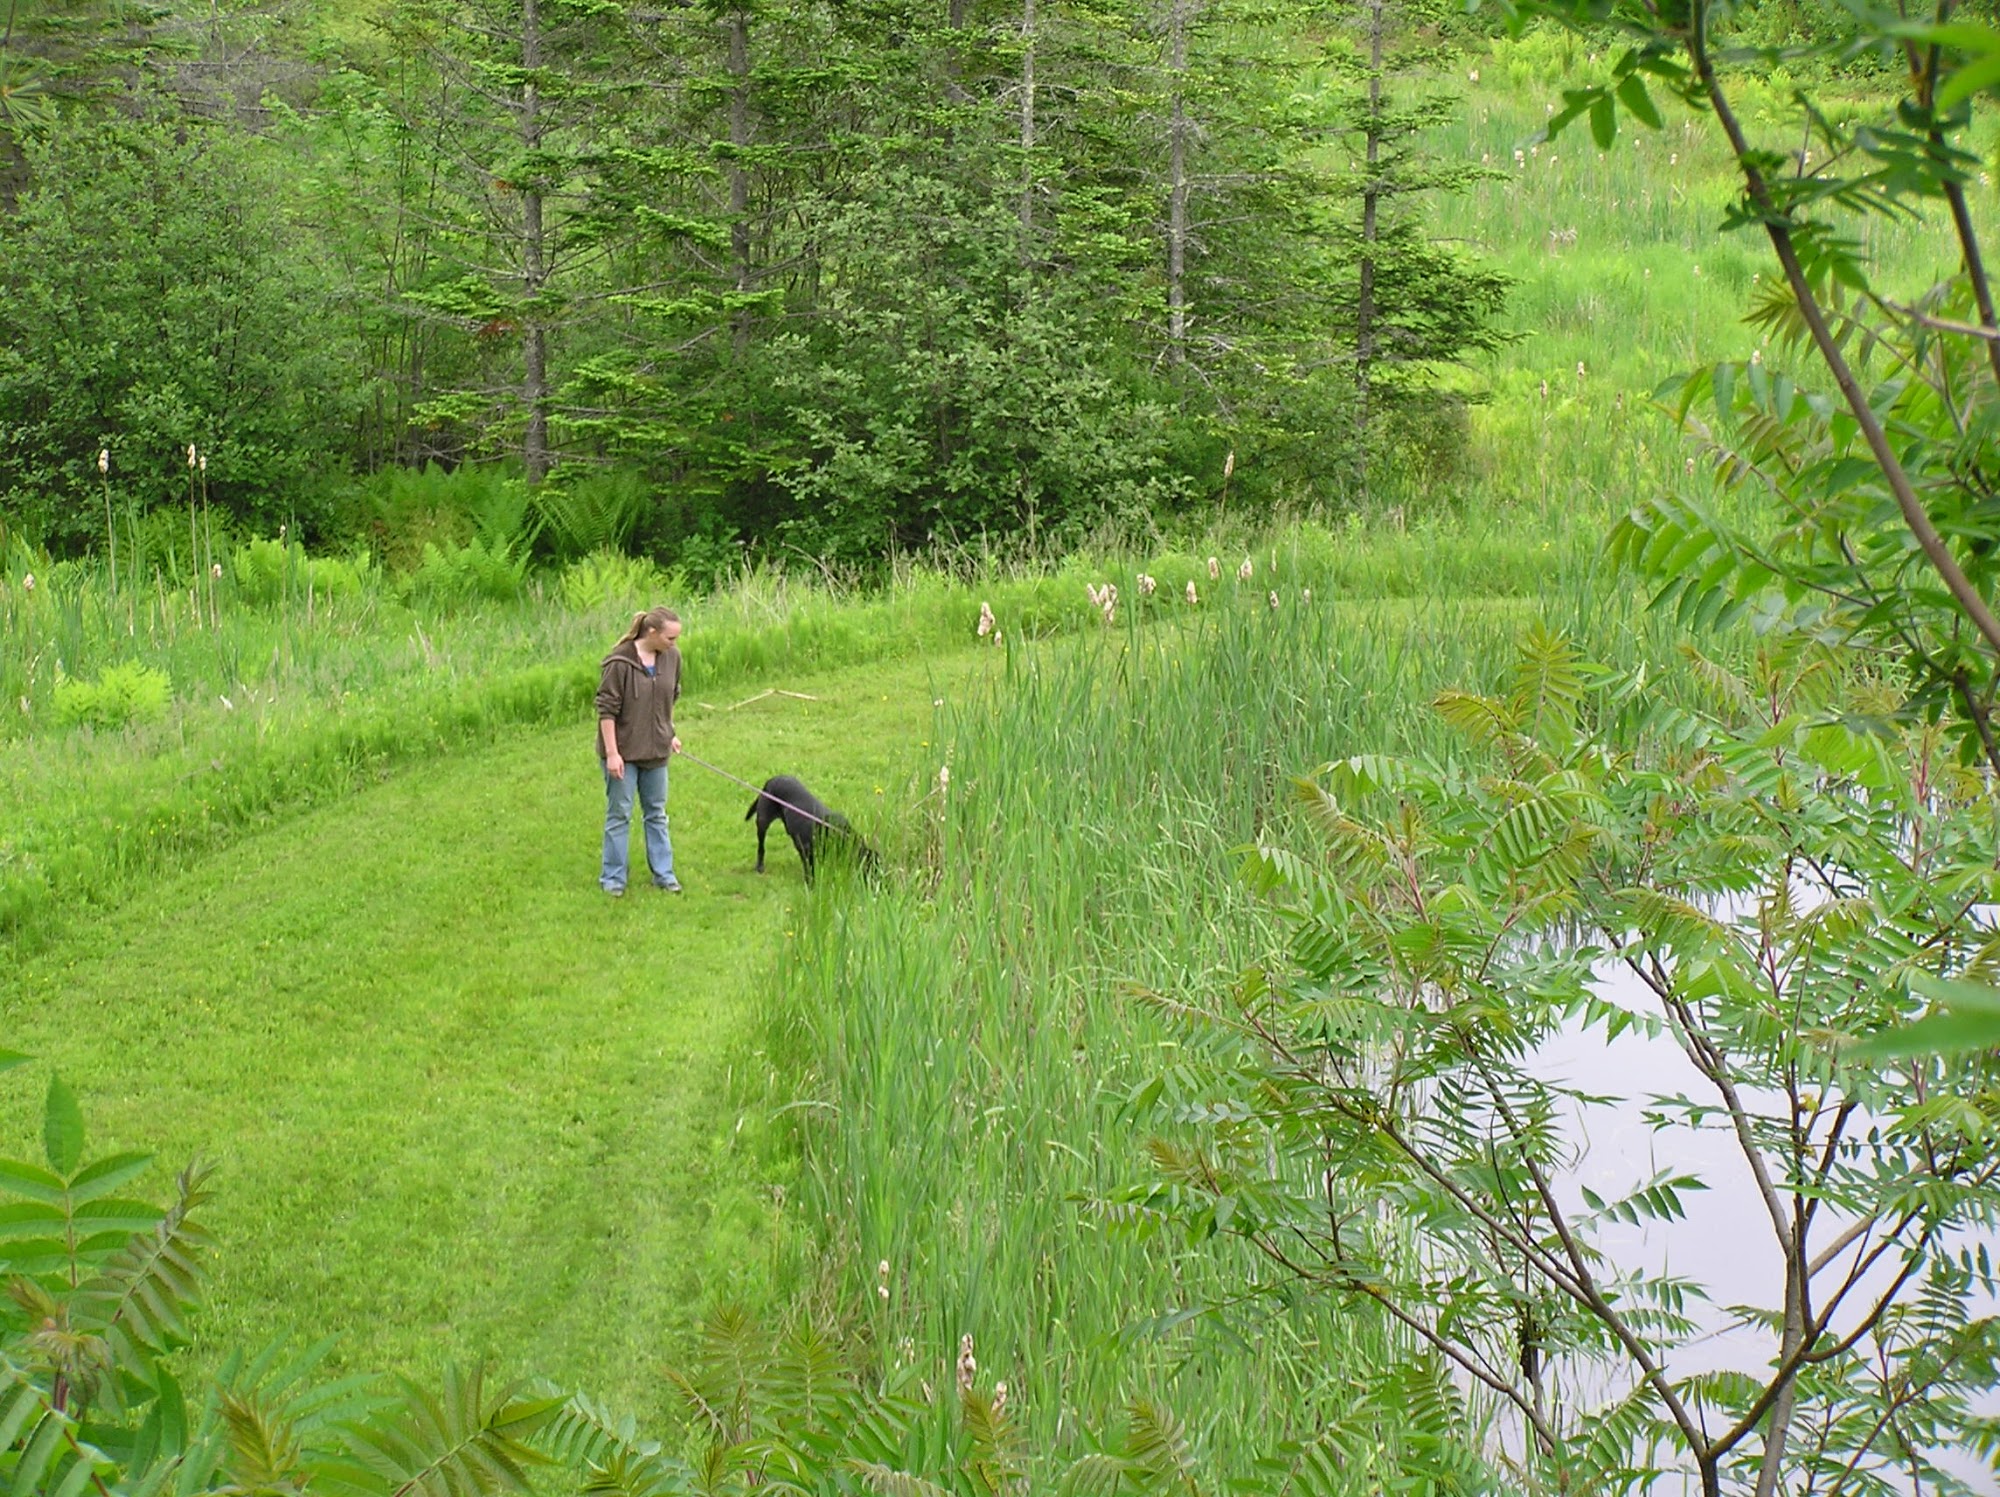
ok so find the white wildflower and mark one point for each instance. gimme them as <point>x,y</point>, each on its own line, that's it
<point>192,459</point>
<point>985,619</point>
<point>1245,572</point>
<point>1274,600</point>
<point>968,1368</point>
<point>104,460</point>
<point>1214,570</point>
<point>215,570</point>
<point>1147,585</point>
<point>28,583</point>
<point>1192,597</point>
<point>999,1399</point>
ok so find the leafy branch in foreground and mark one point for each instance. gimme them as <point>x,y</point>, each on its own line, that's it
<point>1882,449</point>
<point>1761,887</point>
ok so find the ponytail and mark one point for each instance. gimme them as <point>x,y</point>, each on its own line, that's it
<point>650,620</point>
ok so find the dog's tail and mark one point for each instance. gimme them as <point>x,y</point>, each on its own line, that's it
<point>754,805</point>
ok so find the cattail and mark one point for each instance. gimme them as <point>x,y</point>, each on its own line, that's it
<point>968,1367</point>
<point>1246,571</point>
<point>1214,570</point>
<point>985,619</point>
<point>104,461</point>
<point>1191,595</point>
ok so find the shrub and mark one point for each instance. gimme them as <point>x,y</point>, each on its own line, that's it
<point>606,577</point>
<point>409,510</point>
<point>122,695</point>
<point>269,571</point>
<point>463,574</point>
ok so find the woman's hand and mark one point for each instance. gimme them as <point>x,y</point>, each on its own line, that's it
<point>614,765</point>
<point>677,744</point>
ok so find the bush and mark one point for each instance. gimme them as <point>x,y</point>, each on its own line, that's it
<point>468,573</point>
<point>408,510</point>
<point>271,571</point>
<point>122,695</point>
<point>607,577</point>
<point>152,294</point>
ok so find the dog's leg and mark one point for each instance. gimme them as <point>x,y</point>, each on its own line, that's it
<point>763,826</point>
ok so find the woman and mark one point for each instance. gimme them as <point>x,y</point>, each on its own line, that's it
<point>635,738</point>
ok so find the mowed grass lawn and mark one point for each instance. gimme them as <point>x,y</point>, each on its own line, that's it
<point>461,1104</point>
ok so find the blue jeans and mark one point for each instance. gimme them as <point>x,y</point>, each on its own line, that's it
<point>652,787</point>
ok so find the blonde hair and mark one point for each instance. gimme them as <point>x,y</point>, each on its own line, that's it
<point>652,621</point>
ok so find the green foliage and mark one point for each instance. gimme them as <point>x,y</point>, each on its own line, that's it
<point>1767,880</point>
<point>268,571</point>
<point>449,574</point>
<point>610,579</point>
<point>151,296</point>
<point>595,514</point>
<point>121,695</point>
<point>404,510</point>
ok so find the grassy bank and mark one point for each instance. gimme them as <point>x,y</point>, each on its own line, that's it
<point>969,1039</point>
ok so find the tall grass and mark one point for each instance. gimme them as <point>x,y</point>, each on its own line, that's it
<point>971,1037</point>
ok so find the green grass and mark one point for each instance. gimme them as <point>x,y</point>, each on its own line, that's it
<point>462,1104</point>
<point>971,1042</point>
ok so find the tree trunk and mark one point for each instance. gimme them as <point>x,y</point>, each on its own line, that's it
<point>1371,202</point>
<point>534,270</point>
<point>1027,132</point>
<point>739,171</point>
<point>1179,127</point>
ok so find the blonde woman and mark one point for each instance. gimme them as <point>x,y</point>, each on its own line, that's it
<point>635,738</point>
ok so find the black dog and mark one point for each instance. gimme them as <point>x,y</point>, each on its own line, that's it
<point>807,820</point>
